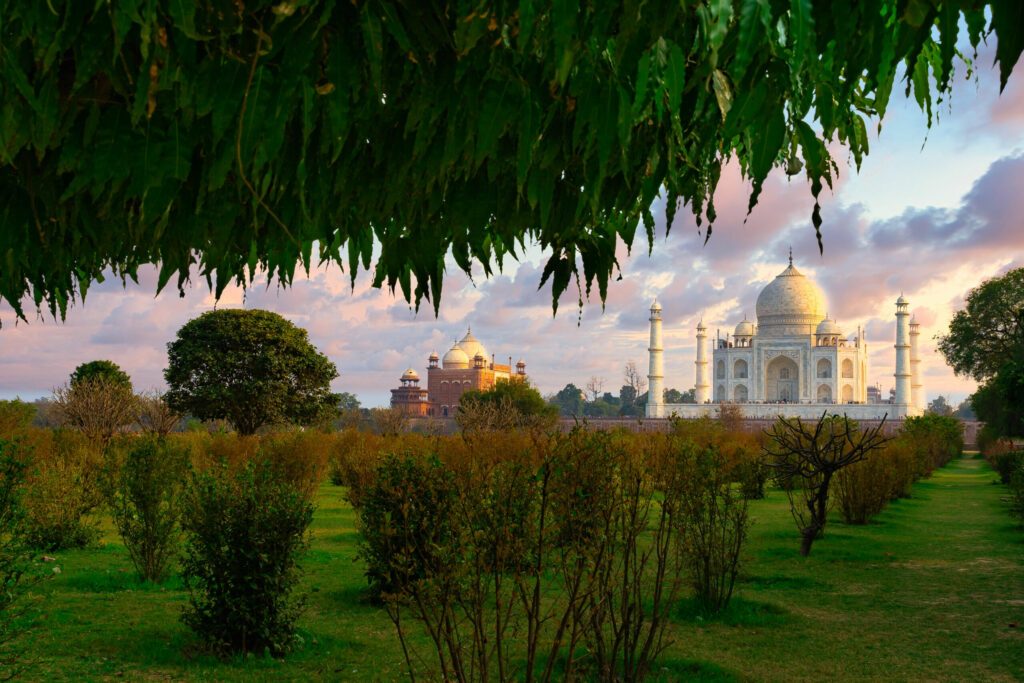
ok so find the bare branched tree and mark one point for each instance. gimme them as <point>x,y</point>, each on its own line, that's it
<point>154,415</point>
<point>389,421</point>
<point>98,406</point>
<point>595,385</point>
<point>634,378</point>
<point>807,456</point>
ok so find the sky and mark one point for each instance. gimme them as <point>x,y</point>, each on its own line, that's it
<point>930,214</point>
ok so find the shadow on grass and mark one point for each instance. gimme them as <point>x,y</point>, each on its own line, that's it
<point>740,612</point>
<point>107,581</point>
<point>783,582</point>
<point>673,670</point>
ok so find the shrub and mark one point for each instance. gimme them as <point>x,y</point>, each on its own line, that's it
<point>144,491</point>
<point>938,439</point>
<point>1007,462</point>
<point>15,417</point>
<point>714,522</point>
<point>17,571</point>
<point>154,415</point>
<point>1017,493</point>
<point>98,406</point>
<point>753,472</point>
<point>245,529</point>
<point>866,487</point>
<point>297,457</point>
<point>64,485</point>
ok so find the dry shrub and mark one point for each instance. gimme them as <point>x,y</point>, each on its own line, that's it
<point>389,421</point>
<point>353,458</point>
<point>98,407</point>
<point>154,415</point>
<point>298,457</point>
<point>63,486</point>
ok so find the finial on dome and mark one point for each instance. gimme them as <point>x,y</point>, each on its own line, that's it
<point>791,255</point>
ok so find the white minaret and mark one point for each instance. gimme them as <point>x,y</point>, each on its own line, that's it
<point>656,373</point>
<point>902,373</point>
<point>916,389</point>
<point>703,383</point>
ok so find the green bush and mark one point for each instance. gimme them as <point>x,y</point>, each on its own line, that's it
<point>866,487</point>
<point>938,438</point>
<point>17,571</point>
<point>714,522</point>
<point>62,488</point>
<point>1017,493</point>
<point>245,530</point>
<point>15,417</point>
<point>406,524</point>
<point>144,491</point>
<point>1006,462</point>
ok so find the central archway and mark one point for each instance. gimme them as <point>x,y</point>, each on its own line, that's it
<point>782,380</point>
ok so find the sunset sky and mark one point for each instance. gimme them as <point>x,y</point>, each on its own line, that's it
<point>931,214</point>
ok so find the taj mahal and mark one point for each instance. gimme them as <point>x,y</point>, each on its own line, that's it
<point>794,361</point>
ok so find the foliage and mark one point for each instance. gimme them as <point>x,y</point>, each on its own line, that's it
<point>245,529</point>
<point>1016,485</point>
<point>989,331</point>
<point>986,342</point>
<point>468,540</point>
<point>144,491</point>
<point>389,421</point>
<point>937,438</point>
<point>105,369</point>
<point>807,457</point>
<point>1006,461</point>
<point>516,398</point>
<point>569,401</point>
<point>865,488</point>
<point>62,487</point>
<point>715,524</point>
<point>250,367</point>
<point>266,128</point>
<point>17,572</point>
<point>15,417</point>
<point>348,402</point>
<point>940,406</point>
<point>97,406</point>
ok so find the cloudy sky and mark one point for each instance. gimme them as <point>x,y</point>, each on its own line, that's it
<point>931,214</point>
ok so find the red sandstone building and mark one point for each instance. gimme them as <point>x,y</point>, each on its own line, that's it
<point>465,367</point>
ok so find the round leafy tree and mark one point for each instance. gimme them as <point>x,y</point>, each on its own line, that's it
<point>106,370</point>
<point>249,367</point>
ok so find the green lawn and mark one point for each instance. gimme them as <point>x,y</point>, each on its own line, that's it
<point>934,589</point>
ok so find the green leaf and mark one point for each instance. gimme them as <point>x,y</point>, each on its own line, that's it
<point>1007,22</point>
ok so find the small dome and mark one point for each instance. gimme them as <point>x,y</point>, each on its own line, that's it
<point>410,374</point>
<point>521,363</point>
<point>901,301</point>
<point>471,346</point>
<point>456,358</point>
<point>829,327</point>
<point>700,325</point>
<point>434,356</point>
<point>744,329</point>
<point>655,306</point>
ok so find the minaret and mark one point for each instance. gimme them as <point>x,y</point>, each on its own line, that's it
<point>916,389</point>
<point>656,372</point>
<point>703,384</point>
<point>902,373</point>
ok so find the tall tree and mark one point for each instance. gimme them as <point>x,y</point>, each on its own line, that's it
<point>262,130</point>
<point>940,406</point>
<point>249,367</point>
<point>595,385</point>
<point>107,370</point>
<point>986,342</point>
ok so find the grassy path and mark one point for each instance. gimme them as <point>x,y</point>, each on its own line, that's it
<point>929,591</point>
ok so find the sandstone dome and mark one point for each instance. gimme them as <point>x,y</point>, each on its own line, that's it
<point>790,304</point>
<point>410,374</point>
<point>455,359</point>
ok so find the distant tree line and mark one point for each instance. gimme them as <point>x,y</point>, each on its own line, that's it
<point>631,400</point>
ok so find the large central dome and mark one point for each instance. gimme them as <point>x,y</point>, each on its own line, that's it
<point>791,304</point>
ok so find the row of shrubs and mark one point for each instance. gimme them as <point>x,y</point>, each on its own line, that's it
<point>1007,458</point>
<point>886,474</point>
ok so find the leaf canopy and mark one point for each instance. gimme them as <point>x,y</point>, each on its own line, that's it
<point>226,138</point>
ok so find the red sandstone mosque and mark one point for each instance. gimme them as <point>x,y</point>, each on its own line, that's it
<point>465,367</point>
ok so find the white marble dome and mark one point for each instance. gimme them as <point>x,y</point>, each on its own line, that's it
<point>744,329</point>
<point>410,374</point>
<point>829,327</point>
<point>472,346</point>
<point>790,304</point>
<point>455,359</point>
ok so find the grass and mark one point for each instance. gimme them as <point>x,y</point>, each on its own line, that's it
<point>934,589</point>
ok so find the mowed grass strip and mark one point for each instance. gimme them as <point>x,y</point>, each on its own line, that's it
<point>933,589</point>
